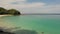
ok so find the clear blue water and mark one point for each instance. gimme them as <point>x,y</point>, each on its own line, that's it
<point>49,24</point>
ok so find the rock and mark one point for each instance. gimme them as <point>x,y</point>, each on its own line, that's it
<point>26,32</point>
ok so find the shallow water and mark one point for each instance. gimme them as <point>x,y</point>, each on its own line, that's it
<point>49,24</point>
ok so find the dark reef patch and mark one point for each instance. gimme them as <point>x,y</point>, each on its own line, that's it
<point>25,32</point>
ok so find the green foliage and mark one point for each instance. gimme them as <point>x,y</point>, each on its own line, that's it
<point>2,10</point>
<point>13,12</point>
<point>9,12</point>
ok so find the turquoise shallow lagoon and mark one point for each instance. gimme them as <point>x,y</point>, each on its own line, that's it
<point>49,24</point>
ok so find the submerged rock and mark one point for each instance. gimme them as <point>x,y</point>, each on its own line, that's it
<point>26,32</point>
<point>4,32</point>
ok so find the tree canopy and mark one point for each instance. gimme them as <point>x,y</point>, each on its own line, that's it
<point>13,11</point>
<point>3,11</point>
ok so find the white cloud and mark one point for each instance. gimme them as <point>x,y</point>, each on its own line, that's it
<point>44,9</point>
<point>36,7</point>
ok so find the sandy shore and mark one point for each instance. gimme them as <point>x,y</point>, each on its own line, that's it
<point>5,15</point>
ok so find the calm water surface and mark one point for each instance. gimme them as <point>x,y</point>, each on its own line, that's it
<point>49,24</point>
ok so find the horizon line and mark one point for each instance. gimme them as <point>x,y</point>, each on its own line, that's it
<point>41,14</point>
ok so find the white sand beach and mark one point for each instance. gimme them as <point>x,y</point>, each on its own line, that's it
<point>4,15</point>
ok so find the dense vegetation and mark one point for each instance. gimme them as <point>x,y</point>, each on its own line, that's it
<point>3,11</point>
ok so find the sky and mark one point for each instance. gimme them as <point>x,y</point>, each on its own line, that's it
<point>32,6</point>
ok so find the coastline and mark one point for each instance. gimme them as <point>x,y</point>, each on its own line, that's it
<point>4,15</point>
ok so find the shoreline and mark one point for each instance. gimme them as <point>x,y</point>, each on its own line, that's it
<point>4,15</point>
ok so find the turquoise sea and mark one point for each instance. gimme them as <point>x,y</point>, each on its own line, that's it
<point>49,24</point>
